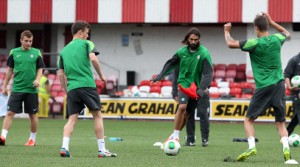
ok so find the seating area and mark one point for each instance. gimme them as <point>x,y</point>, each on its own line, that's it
<point>229,81</point>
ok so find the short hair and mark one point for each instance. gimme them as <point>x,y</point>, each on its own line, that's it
<point>26,33</point>
<point>261,22</point>
<point>194,31</point>
<point>80,25</point>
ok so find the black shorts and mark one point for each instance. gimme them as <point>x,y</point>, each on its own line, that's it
<point>78,98</point>
<point>31,102</point>
<point>270,96</point>
<point>191,103</point>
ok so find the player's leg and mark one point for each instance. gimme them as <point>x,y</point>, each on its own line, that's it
<point>68,130</point>
<point>279,110</point>
<point>180,116</point>
<point>260,101</point>
<point>190,124</point>
<point>296,116</point>
<point>203,113</point>
<point>14,106</point>
<point>92,101</point>
<point>74,106</point>
<point>31,107</point>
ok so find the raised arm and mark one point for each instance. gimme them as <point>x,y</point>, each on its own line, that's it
<point>231,43</point>
<point>277,26</point>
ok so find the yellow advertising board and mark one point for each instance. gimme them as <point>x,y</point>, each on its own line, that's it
<point>136,108</point>
<point>153,108</point>
<point>236,110</point>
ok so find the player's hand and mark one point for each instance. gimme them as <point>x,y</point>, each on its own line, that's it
<point>36,83</point>
<point>103,79</point>
<point>227,27</point>
<point>4,91</point>
<point>268,17</point>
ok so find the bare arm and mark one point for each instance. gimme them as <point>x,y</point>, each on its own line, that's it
<point>9,72</point>
<point>277,26</point>
<point>231,43</point>
<point>61,77</point>
<point>96,64</point>
<point>39,74</point>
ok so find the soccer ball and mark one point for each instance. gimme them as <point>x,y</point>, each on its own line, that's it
<point>294,140</point>
<point>296,81</point>
<point>171,147</point>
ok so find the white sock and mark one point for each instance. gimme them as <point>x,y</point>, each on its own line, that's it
<point>66,141</point>
<point>251,142</point>
<point>4,133</point>
<point>32,136</point>
<point>285,142</point>
<point>175,134</point>
<point>101,145</point>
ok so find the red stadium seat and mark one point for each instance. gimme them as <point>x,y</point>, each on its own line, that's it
<point>234,85</point>
<point>236,92</point>
<point>145,83</point>
<point>166,83</point>
<point>219,75</point>
<point>214,95</point>
<point>232,67</point>
<point>157,83</point>
<point>230,75</point>
<point>52,76</point>
<point>214,84</point>
<point>240,76</point>
<point>241,68</point>
<point>56,88</point>
<point>220,67</point>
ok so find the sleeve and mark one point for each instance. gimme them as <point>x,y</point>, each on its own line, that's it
<point>248,45</point>
<point>174,82</point>
<point>40,61</point>
<point>289,69</point>
<point>207,76</point>
<point>91,48</point>
<point>281,37</point>
<point>60,63</point>
<point>168,67</point>
<point>10,61</point>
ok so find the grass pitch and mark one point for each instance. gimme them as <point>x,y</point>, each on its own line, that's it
<point>137,148</point>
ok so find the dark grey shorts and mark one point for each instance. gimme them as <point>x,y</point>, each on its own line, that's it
<point>78,98</point>
<point>192,104</point>
<point>31,102</point>
<point>270,96</point>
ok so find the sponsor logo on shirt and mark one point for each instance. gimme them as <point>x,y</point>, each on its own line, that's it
<point>198,57</point>
<point>19,55</point>
<point>31,55</point>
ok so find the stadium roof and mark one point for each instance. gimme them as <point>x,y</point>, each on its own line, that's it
<point>146,11</point>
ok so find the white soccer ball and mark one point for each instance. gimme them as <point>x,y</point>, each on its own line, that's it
<point>296,81</point>
<point>294,140</point>
<point>171,147</point>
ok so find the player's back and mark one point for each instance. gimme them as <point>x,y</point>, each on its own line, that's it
<point>77,64</point>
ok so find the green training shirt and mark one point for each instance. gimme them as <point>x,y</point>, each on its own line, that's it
<point>191,65</point>
<point>25,64</point>
<point>75,61</point>
<point>265,56</point>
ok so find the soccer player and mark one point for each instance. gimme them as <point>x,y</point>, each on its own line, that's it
<point>292,69</point>
<point>202,106</point>
<point>194,76</point>
<point>265,56</point>
<point>75,64</point>
<point>26,64</point>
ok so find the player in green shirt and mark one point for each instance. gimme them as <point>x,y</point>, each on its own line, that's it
<point>75,63</point>
<point>26,64</point>
<point>194,76</point>
<point>265,56</point>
